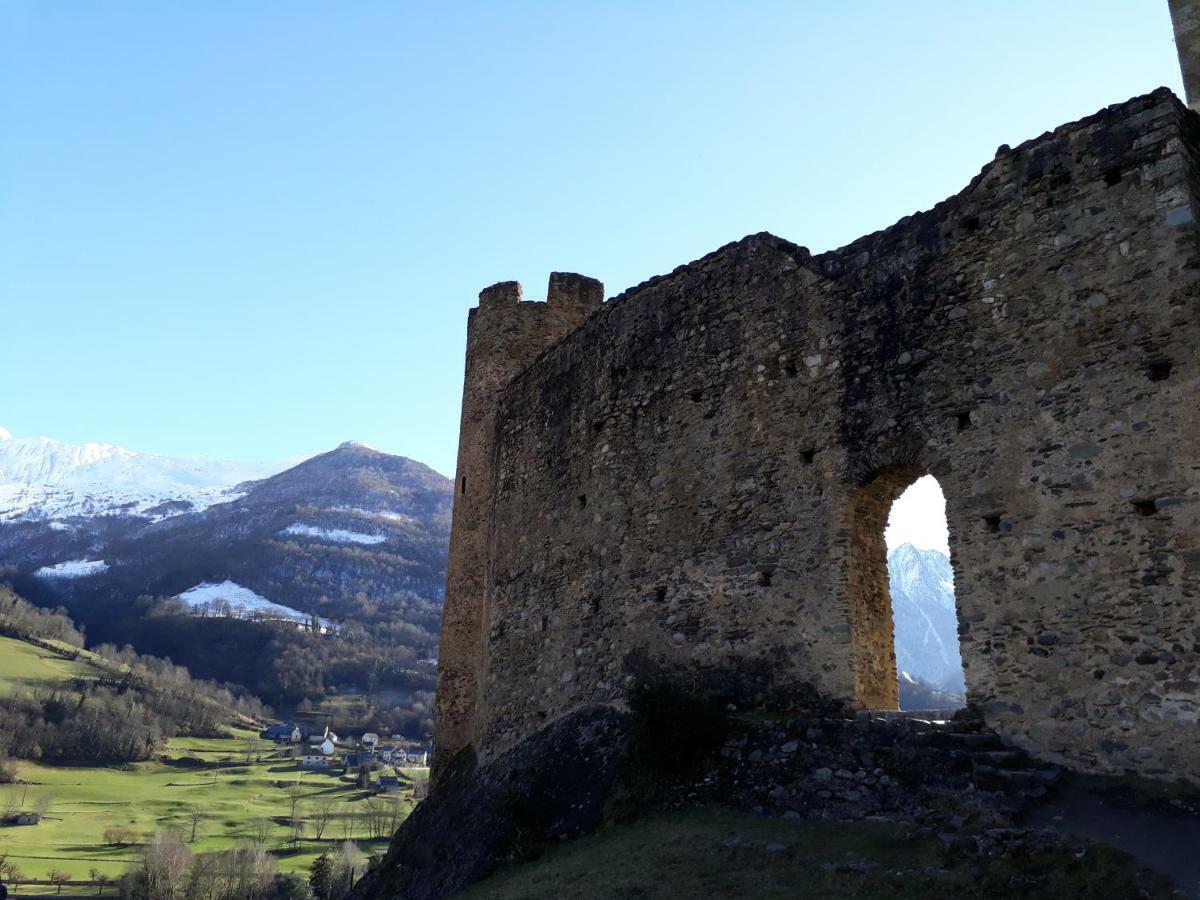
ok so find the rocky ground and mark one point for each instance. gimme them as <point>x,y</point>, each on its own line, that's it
<point>950,775</point>
<point>954,785</point>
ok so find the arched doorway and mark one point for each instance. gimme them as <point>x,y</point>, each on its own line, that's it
<point>873,621</point>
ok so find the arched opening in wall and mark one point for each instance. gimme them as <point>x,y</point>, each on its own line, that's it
<point>903,620</point>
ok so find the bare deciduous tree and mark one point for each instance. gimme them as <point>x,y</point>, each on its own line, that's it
<point>294,792</point>
<point>165,861</point>
<point>396,817</point>
<point>379,814</point>
<point>119,834</point>
<point>196,817</point>
<point>99,879</point>
<point>204,877</point>
<point>348,865</point>
<point>420,786</point>
<point>250,871</point>
<point>260,832</point>
<point>321,815</point>
<point>15,875</point>
<point>59,878</point>
<point>253,748</point>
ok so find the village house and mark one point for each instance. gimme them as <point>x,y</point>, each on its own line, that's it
<point>388,784</point>
<point>324,748</point>
<point>413,757</point>
<point>315,761</point>
<point>361,758</point>
<point>285,733</point>
<point>325,742</point>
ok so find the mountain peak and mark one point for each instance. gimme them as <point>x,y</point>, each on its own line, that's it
<point>5,434</point>
<point>909,550</point>
<point>357,445</point>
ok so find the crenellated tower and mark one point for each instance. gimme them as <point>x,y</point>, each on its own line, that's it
<point>504,335</point>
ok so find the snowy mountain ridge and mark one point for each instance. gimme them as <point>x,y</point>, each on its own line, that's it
<point>912,570</point>
<point>41,478</point>
<point>925,617</point>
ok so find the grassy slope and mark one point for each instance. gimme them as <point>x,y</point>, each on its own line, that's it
<point>151,795</point>
<point>725,854</point>
<point>23,666</point>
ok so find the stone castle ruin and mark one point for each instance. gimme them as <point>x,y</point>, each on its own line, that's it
<point>693,478</point>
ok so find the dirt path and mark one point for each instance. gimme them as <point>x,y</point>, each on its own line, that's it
<point>1163,840</point>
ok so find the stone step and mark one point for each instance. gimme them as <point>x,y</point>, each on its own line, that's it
<point>1015,780</point>
<point>927,715</point>
<point>1001,759</point>
<point>975,741</point>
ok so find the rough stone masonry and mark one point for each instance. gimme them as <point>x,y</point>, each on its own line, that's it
<point>692,479</point>
<point>1185,14</point>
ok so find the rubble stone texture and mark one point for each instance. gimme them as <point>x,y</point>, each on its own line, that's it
<point>504,335</point>
<point>694,476</point>
<point>1185,14</point>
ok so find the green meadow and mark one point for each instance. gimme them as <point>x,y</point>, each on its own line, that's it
<point>236,789</point>
<point>25,666</point>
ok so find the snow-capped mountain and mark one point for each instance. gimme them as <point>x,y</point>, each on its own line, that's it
<point>41,478</point>
<point>99,521</point>
<point>926,623</point>
<point>351,536</point>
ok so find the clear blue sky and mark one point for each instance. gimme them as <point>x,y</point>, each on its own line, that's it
<point>254,229</point>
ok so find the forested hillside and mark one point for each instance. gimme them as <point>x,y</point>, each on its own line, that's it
<point>112,705</point>
<point>353,542</point>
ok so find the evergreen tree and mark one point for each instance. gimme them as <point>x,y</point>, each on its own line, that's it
<point>320,877</point>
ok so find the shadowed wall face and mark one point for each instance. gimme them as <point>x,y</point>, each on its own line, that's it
<point>867,592</point>
<point>1185,14</point>
<point>695,480</point>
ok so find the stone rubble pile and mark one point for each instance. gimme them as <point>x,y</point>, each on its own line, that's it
<point>942,775</point>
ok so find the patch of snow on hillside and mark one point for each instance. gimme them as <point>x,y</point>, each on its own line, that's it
<point>241,601</point>
<point>73,568</point>
<point>337,535</point>
<point>395,517</point>
<point>375,514</point>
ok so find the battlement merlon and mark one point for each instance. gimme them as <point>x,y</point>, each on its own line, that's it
<point>1185,15</point>
<point>566,289</point>
<point>570,289</point>
<point>502,293</point>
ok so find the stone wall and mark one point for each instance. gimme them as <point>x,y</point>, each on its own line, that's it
<point>695,479</point>
<point>504,335</point>
<point>1185,14</point>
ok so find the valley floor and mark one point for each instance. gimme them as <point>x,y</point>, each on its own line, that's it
<point>242,787</point>
<point>240,801</point>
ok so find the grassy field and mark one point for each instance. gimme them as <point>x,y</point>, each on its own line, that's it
<point>239,800</point>
<point>726,854</point>
<point>25,666</point>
